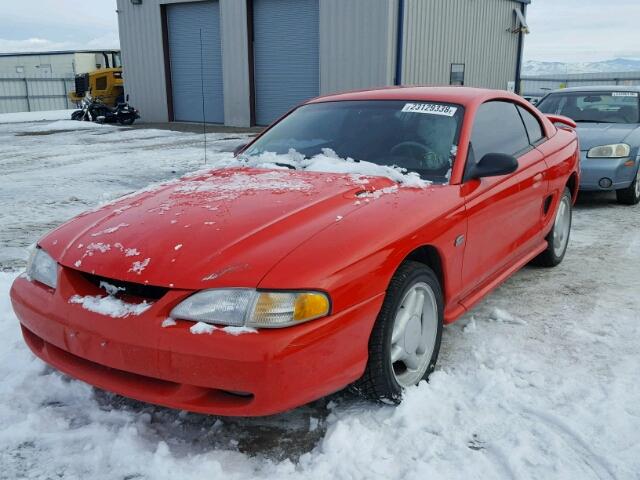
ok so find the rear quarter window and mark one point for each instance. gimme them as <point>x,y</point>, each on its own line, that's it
<point>531,123</point>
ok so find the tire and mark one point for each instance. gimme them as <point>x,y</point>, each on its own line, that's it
<point>558,237</point>
<point>126,121</point>
<point>384,380</point>
<point>77,115</point>
<point>631,194</point>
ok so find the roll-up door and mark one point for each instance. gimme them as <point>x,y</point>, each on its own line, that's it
<point>286,55</point>
<point>195,55</point>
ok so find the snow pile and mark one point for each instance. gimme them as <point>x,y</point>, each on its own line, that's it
<point>68,125</point>
<point>139,265</point>
<point>229,187</point>
<point>110,229</point>
<point>110,305</point>
<point>19,117</point>
<point>202,327</point>
<point>168,322</point>
<point>328,162</point>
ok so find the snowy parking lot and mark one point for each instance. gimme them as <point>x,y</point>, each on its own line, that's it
<point>540,381</point>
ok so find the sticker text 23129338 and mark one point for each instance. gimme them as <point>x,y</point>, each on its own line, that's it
<point>430,108</point>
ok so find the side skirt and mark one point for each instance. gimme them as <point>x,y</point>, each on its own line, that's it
<point>452,314</point>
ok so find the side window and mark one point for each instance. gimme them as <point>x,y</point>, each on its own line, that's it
<point>531,123</point>
<point>101,83</point>
<point>456,74</point>
<point>498,128</point>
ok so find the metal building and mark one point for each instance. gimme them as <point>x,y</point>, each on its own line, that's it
<point>32,81</point>
<point>246,62</point>
<point>56,63</point>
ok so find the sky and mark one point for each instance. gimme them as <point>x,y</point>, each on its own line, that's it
<point>583,30</point>
<point>41,25</point>
<point>561,30</point>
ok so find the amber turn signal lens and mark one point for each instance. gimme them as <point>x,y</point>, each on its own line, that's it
<point>309,306</point>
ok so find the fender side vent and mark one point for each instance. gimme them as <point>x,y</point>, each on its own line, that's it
<point>547,204</point>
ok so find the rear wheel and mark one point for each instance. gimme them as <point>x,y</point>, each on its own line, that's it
<point>126,120</point>
<point>405,341</point>
<point>631,194</point>
<point>558,237</point>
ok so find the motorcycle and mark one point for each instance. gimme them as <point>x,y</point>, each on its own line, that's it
<point>94,110</point>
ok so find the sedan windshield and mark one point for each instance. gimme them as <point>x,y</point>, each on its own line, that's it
<point>593,107</point>
<point>421,137</point>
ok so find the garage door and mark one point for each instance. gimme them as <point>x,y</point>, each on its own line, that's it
<point>196,73</point>
<point>286,58</point>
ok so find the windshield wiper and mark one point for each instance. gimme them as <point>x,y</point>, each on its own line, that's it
<point>593,121</point>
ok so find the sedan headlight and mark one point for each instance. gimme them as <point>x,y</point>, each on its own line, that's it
<point>616,150</point>
<point>245,307</point>
<point>42,268</point>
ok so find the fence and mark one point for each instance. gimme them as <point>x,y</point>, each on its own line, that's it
<point>537,86</point>
<point>31,94</point>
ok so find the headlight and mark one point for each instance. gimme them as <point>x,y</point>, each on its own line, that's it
<point>245,307</point>
<point>42,268</point>
<point>616,150</point>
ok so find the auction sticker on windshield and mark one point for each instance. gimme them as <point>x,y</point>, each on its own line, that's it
<point>430,108</point>
<point>625,94</point>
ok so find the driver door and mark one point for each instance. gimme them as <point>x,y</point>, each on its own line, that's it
<point>504,212</point>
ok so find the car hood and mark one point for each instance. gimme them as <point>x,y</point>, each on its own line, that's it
<point>595,134</point>
<point>224,227</point>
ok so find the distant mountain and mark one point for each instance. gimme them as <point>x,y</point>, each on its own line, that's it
<point>532,67</point>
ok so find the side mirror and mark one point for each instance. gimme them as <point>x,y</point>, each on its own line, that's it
<point>492,165</point>
<point>239,148</point>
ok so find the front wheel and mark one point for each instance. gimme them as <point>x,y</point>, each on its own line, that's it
<point>631,194</point>
<point>558,238</point>
<point>405,341</point>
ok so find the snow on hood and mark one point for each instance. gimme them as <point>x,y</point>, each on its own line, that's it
<point>232,222</point>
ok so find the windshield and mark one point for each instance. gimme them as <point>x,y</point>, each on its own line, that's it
<point>421,137</point>
<point>594,107</point>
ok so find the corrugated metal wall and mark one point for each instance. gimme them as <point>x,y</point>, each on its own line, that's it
<point>235,63</point>
<point>18,94</point>
<point>143,58</point>
<point>357,44</point>
<point>474,32</point>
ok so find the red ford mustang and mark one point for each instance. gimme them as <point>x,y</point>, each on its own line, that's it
<point>252,289</point>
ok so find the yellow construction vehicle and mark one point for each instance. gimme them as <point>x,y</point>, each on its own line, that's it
<point>105,84</point>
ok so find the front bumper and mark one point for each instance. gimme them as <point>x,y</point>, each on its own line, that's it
<point>596,171</point>
<point>275,370</point>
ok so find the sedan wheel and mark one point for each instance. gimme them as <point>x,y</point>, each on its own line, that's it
<point>405,340</point>
<point>631,194</point>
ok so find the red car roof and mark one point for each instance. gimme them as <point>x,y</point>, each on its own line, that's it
<point>459,95</point>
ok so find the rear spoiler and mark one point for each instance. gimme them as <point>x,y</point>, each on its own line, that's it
<point>562,119</point>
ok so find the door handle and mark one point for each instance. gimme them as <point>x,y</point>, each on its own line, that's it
<point>538,178</point>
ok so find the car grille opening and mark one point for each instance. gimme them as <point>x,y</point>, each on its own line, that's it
<point>128,289</point>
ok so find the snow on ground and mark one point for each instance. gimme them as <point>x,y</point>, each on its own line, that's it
<point>35,116</point>
<point>540,381</point>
